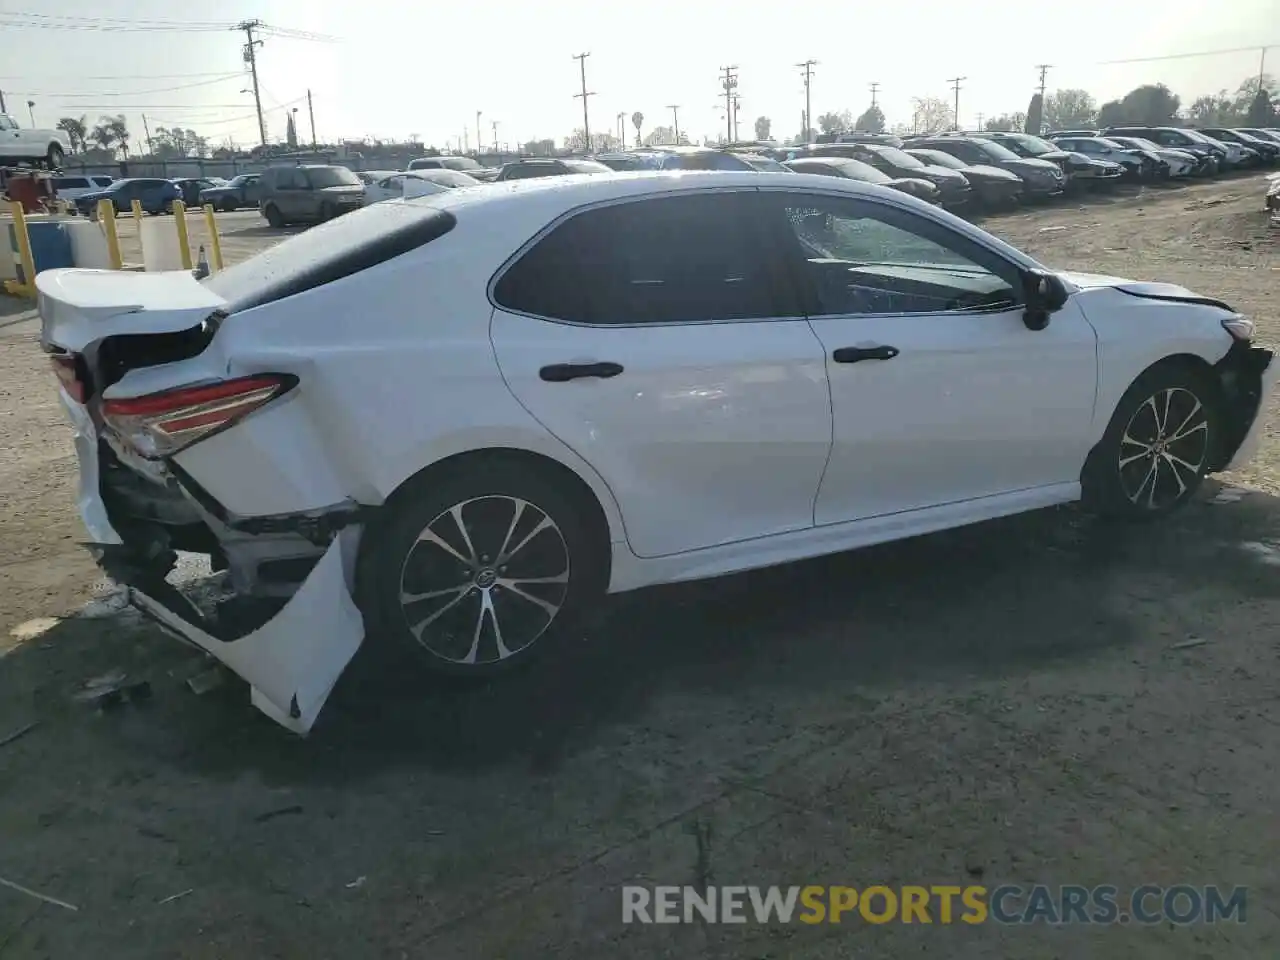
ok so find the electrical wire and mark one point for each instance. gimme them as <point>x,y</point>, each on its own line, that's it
<point>133,93</point>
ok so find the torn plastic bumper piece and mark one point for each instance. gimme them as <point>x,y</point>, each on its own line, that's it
<point>291,661</point>
<point>1248,377</point>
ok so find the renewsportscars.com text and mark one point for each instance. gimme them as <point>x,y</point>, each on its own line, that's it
<point>1182,904</point>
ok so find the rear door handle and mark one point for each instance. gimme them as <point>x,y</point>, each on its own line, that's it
<point>563,372</point>
<point>854,354</point>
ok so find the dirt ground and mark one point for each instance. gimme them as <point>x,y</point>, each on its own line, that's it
<point>1039,700</point>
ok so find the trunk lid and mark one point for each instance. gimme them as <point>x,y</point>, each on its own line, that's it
<point>79,308</point>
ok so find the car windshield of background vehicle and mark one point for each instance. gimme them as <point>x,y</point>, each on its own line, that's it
<point>938,159</point>
<point>996,152</point>
<point>322,177</point>
<point>858,170</point>
<point>864,265</point>
<point>899,158</point>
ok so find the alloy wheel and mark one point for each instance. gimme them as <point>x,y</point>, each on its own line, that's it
<point>484,580</point>
<point>1163,448</point>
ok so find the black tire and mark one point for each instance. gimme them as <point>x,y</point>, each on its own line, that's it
<point>274,217</point>
<point>500,500</point>
<point>55,158</point>
<point>1159,444</point>
<point>229,206</point>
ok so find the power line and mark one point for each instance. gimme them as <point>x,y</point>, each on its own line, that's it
<point>729,83</point>
<point>133,93</point>
<point>123,76</point>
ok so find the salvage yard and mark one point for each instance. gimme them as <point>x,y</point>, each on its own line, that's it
<point>1039,700</point>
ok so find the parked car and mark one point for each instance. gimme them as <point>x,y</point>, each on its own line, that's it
<point>38,146</point>
<point>241,191</point>
<point>849,169</point>
<point>1079,167</point>
<point>1180,162</point>
<point>1212,157</point>
<point>597,371</point>
<point>762,163</point>
<point>72,188</point>
<point>991,186</point>
<point>1270,136</point>
<point>953,188</point>
<point>694,158</point>
<point>1237,157</point>
<point>307,193</point>
<point>1268,151</point>
<point>413,183</point>
<point>1137,164</point>
<point>483,174</point>
<point>528,169</point>
<point>154,193</point>
<point>190,189</point>
<point>1040,178</point>
<point>623,161</point>
<point>858,136</point>
<point>465,164</point>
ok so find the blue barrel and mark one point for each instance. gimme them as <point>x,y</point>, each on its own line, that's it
<point>50,247</point>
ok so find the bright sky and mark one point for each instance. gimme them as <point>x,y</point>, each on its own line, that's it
<point>407,68</point>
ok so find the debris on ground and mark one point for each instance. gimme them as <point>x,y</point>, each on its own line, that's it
<point>19,733</point>
<point>1191,642</point>
<point>39,896</point>
<point>1229,495</point>
<point>356,884</point>
<point>113,689</point>
<point>176,896</point>
<point>206,680</point>
<point>282,812</point>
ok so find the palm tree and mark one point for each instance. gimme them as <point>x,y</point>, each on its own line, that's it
<point>76,130</point>
<point>120,130</point>
<point>103,135</point>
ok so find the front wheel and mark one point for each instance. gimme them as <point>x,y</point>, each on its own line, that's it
<point>55,157</point>
<point>274,217</point>
<point>228,206</point>
<point>481,568</point>
<point>1158,445</point>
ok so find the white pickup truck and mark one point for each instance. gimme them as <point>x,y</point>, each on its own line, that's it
<point>32,146</point>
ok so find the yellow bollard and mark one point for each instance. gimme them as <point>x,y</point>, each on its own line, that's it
<point>184,241</point>
<point>15,287</point>
<point>215,242</point>
<point>107,216</point>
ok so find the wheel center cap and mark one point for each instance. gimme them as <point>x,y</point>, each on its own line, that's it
<point>486,578</point>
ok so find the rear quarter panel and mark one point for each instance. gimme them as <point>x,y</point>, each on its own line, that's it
<point>396,373</point>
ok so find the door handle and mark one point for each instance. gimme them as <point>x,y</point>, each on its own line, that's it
<point>854,354</point>
<point>563,372</point>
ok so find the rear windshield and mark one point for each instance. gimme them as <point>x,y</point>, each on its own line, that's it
<point>586,166</point>
<point>459,163</point>
<point>329,252</point>
<point>322,177</point>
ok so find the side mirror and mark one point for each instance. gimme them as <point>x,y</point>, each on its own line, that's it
<point>1044,294</point>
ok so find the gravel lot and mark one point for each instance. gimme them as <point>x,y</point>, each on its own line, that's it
<point>1035,700</point>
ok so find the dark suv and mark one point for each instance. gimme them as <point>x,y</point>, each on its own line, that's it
<point>308,193</point>
<point>155,195</point>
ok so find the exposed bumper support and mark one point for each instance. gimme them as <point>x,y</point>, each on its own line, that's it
<point>1248,383</point>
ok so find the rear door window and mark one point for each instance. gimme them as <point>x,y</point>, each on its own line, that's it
<point>689,258</point>
<point>70,183</point>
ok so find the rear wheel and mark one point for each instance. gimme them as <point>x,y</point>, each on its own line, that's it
<point>480,568</point>
<point>228,206</point>
<point>274,217</point>
<point>55,157</point>
<point>1158,446</point>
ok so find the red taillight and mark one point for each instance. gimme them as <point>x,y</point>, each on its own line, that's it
<point>65,368</point>
<point>161,424</point>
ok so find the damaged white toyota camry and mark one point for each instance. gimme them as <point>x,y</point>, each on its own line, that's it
<point>455,422</point>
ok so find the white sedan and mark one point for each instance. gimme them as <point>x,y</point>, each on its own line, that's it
<point>415,183</point>
<point>453,423</point>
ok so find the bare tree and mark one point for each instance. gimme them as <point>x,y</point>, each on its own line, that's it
<point>932,115</point>
<point>1070,109</point>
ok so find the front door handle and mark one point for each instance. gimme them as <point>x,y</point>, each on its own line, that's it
<point>563,372</point>
<point>854,354</point>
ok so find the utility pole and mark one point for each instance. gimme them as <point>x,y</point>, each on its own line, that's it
<point>147,130</point>
<point>586,119</point>
<point>729,82</point>
<point>251,58</point>
<point>807,67</point>
<point>312,114</point>
<point>622,129</point>
<point>494,123</point>
<point>3,109</point>
<point>955,84</point>
<point>479,138</point>
<point>1262,69</point>
<point>980,119</point>
<point>675,119</point>
<point>875,88</point>
<point>1044,72</point>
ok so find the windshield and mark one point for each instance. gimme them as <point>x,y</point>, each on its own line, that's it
<point>1199,137</point>
<point>459,163</point>
<point>899,158</point>
<point>764,164</point>
<point>857,170</point>
<point>938,159</point>
<point>448,178</point>
<point>1033,146</point>
<point>321,177</point>
<point>586,166</point>
<point>1138,142</point>
<point>995,151</point>
<point>1113,144</point>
